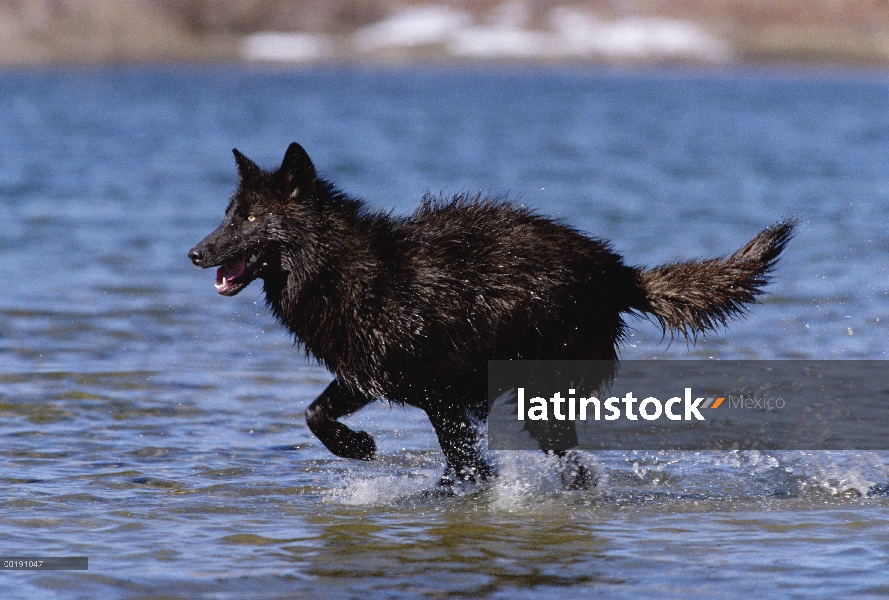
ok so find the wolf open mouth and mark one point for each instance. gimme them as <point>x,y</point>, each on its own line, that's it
<point>236,274</point>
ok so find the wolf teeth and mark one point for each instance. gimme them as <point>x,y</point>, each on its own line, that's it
<point>224,283</point>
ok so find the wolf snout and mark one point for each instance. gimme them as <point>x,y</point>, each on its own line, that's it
<point>197,255</point>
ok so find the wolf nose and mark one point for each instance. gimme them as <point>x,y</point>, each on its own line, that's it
<point>196,255</point>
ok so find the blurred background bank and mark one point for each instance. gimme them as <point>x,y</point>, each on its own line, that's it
<point>308,31</point>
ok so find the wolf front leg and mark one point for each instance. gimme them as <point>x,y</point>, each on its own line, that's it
<point>321,416</point>
<point>458,436</point>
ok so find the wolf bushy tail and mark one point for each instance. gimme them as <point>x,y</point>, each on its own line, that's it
<point>696,296</point>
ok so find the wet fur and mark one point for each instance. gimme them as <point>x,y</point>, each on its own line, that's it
<point>411,309</point>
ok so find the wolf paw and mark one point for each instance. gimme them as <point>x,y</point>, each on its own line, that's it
<point>575,475</point>
<point>363,446</point>
<point>358,445</point>
<point>466,474</point>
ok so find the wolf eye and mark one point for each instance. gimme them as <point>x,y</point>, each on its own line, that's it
<point>251,218</point>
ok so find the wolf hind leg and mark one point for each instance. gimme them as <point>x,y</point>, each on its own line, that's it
<point>322,414</point>
<point>460,440</point>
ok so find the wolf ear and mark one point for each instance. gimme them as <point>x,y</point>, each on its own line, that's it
<point>297,167</point>
<point>247,169</point>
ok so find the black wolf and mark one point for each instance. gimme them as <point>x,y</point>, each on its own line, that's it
<point>411,308</point>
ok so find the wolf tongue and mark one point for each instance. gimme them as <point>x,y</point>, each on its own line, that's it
<point>231,270</point>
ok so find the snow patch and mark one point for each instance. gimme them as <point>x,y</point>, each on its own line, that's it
<point>582,34</point>
<point>286,47</point>
<point>571,33</point>
<point>412,27</point>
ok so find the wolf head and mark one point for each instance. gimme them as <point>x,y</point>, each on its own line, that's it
<point>267,211</point>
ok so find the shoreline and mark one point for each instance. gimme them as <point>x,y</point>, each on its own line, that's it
<point>726,33</point>
<point>779,69</point>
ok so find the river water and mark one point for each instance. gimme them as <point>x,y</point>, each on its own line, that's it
<point>157,428</point>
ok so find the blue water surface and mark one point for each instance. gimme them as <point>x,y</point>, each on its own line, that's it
<point>157,428</point>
